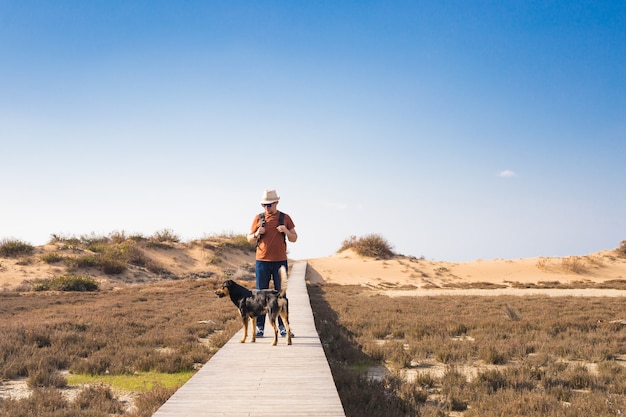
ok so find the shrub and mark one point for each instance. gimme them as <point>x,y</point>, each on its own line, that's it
<point>11,248</point>
<point>43,375</point>
<point>149,402</point>
<point>621,251</point>
<point>573,264</point>
<point>52,258</point>
<point>511,313</point>
<point>118,236</point>
<point>54,238</point>
<point>99,398</point>
<point>49,402</point>
<point>67,283</point>
<point>86,261</point>
<point>490,381</point>
<point>493,356</point>
<point>109,259</point>
<point>134,255</point>
<point>425,379</point>
<point>237,242</point>
<point>580,378</point>
<point>112,266</point>
<point>98,247</point>
<point>42,402</point>
<point>453,383</point>
<point>372,245</point>
<point>93,239</point>
<point>165,235</point>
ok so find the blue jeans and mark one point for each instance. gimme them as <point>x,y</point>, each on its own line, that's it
<point>265,272</point>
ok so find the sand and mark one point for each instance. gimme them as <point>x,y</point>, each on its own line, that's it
<point>579,275</point>
<point>401,275</point>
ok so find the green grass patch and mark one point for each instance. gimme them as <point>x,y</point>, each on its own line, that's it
<point>363,366</point>
<point>138,382</point>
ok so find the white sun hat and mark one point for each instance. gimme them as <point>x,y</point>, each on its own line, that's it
<point>269,196</point>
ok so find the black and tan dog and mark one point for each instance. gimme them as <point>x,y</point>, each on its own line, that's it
<point>253,303</point>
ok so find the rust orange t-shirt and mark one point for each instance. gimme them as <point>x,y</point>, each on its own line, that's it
<point>272,245</point>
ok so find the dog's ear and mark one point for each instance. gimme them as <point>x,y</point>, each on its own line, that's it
<point>228,283</point>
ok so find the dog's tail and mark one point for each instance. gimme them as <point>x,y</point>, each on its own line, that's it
<point>282,271</point>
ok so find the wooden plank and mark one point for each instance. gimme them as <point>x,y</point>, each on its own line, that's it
<point>260,380</point>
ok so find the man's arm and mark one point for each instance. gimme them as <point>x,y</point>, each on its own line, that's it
<point>291,234</point>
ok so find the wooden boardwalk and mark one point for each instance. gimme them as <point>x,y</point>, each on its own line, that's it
<point>258,379</point>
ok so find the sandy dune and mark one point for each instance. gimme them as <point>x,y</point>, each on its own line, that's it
<point>201,259</point>
<point>412,276</point>
<point>599,273</point>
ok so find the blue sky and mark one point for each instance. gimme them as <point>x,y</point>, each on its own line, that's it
<point>457,130</point>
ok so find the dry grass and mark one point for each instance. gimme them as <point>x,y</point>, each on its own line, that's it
<point>67,283</point>
<point>12,248</point>
<point>124,331</point>
<point>120,259</point>
<point>575,264</point>
<point>112,254</point>
<point>473,356</point>
<point>372,246</point>
<point>462,356</point>
<point>155,323</point>
<point>569,264</point>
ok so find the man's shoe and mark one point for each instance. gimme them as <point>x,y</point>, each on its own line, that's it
<point>259,332</point>
<point>283,333</point>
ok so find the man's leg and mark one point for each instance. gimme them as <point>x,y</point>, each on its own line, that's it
<point>277,285</point>
<point>263,272</point>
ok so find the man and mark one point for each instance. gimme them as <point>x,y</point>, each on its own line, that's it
<point>270,231</point>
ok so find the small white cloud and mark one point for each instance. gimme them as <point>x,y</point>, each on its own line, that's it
<point>507,173</point>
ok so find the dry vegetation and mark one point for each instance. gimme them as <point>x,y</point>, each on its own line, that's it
<point>120,259</point>
<point>69,327</point>
<point>406,356</point>
<point>473,356</point>
<point>573,264</point>
<point>167,328</point>
<point>372,245</point>
<point>477,356</point>
<point>14,248</point>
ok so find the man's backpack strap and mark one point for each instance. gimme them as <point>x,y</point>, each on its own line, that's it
<point>262,224</point>
<point>281,222</point>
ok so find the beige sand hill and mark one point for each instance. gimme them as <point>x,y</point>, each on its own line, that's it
<point>407,274</point>
<point>179,259</point>
<point>422,277</point>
